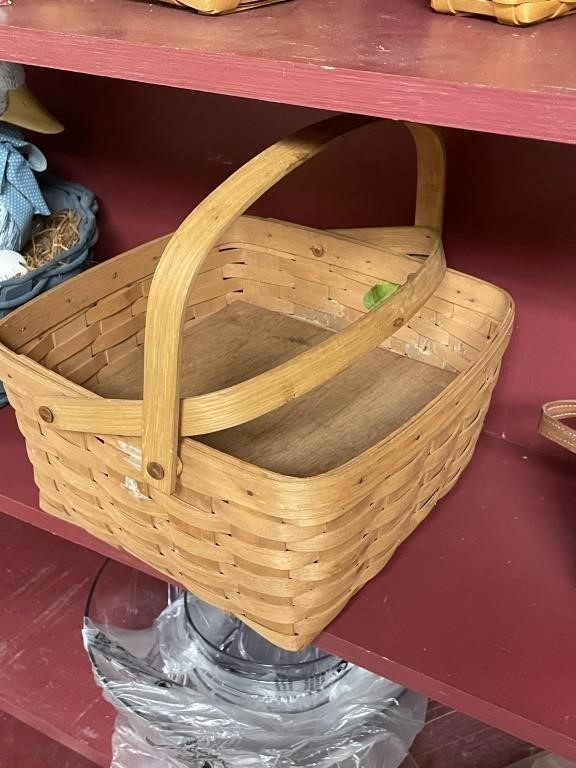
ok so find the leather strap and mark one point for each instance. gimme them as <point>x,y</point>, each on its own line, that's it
<point>552,426</point>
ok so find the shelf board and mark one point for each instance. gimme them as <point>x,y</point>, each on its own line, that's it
<point>45,676</point>
<point>390,58</point>
<point>26,747</point>
<point>477,610</point>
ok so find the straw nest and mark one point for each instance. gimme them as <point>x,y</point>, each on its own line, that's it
<point>51,236</point>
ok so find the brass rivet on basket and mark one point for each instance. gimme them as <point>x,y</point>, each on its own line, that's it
<point>155,470</point>
<point>317,250</point>
<point>398,323</point>
<point>46,414</point>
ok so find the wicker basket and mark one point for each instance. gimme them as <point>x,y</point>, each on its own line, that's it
<point>514,12</point>
<point>320,451</point>
<point>58,194</point>
<point>219,7</point>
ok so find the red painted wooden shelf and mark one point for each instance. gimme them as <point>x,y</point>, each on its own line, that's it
<point>477,609</point>
<point>45,676</point>
<point>392,58</point>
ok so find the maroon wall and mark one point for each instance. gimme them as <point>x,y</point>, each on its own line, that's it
<point>151,153</point>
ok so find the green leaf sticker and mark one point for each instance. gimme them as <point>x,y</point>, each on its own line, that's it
<point>379,293</point>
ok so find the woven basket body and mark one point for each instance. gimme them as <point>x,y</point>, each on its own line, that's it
<point>218,7</point>
<point>284,550</point>
<point>58,194</point>
<point>514,12</point>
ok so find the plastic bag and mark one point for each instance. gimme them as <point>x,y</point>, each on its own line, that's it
<point>553,761</point>
<point>173,715</point>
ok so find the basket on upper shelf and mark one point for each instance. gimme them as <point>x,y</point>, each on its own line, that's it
<point>218,7</point>
<point>260,410</point>
<point>514,12</point>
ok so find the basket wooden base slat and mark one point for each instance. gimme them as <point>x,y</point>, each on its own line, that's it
<point>315,433</point>
<point>512,12</point>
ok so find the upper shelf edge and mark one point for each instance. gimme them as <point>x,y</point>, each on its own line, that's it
<point>388,58</point>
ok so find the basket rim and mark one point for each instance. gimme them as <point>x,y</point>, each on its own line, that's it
<point>228,240</point>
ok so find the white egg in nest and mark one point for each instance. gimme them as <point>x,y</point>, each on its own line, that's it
<point>11,265</point>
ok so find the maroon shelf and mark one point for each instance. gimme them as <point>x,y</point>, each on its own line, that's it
<point>45,676</point>
<point>477,610</point>
<point>393,58</point>
<point>26,747</point>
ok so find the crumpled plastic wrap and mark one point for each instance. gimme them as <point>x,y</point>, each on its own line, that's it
<point>169,717</point>
<point>550,761</point>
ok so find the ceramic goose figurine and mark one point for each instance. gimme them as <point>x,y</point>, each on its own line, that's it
<point>19,106</point>
<point>20,195</point>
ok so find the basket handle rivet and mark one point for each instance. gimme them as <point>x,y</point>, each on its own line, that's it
<point>398,323</point>
<point>155,470</point>
<point>46,414</point>
<point>317,250</point>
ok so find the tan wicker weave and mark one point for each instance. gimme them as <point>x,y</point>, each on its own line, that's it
<point>514,12</point>
<point>218,7</point>
<point>250,517</point>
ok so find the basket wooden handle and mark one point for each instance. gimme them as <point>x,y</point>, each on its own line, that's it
<point>182,260</point>
<point>162,418</point>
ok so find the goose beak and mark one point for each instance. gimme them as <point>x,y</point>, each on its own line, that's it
<point>25,111</point>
